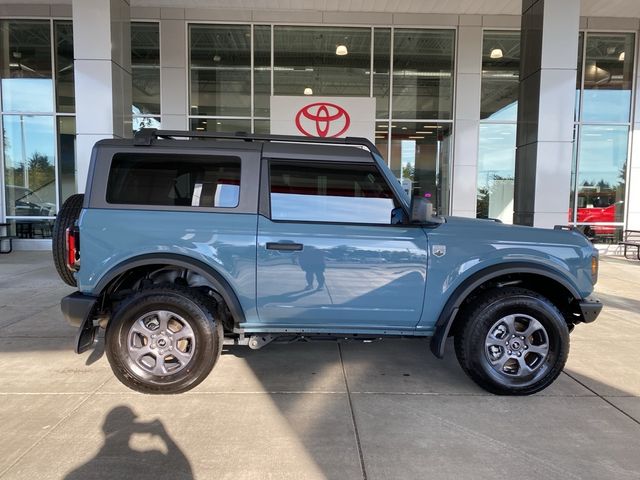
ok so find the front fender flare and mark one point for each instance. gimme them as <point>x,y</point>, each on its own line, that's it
<point>448,314</point>
<point>217,280</point>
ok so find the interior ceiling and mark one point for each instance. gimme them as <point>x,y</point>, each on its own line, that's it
<point>593,8</point>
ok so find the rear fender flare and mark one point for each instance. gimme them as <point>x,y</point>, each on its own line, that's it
<point>219,283</point>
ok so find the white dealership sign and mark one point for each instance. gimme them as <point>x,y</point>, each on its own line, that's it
<point>328,117</point>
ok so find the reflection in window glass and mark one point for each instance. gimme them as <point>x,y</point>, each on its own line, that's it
<point>145,122</point>
<point>330,61</point>
<point>601,179</point>
<point>496,171</point>
<point>30,229</point>
<point>220,66</point>
<point>145,67</point>
<point>29,159</point>
<point>381,70</point>
<point>65,93</point>
<point>422,73</point>
<point>608,77</point>
<point>500,75</point>
<point>66,157</point>
<point>25,66</point>
<point>185,181</point>
<point>261,69</point>
<point>323,193</point>
<point>420,155</point>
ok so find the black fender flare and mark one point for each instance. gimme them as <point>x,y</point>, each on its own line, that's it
<point>220,284</point>
<point>448,314</point>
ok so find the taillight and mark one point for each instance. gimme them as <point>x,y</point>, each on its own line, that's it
<point>73,248</point>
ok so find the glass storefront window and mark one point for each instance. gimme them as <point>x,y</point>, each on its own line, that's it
<point>602,171</point>
<point>29,159</point>
<point>331,61</point>
<point>25,66</point>
<point>420,158</point>
<point>579,75</point>
<point>262,126</point>
<point>381,70</point>
<point>220,125</point>
<point>65,93</point>
<point>66,157</point>
<point>496,171</point>
<point>382,139</point>
<point>422,73</point>
<point>220,70</point>
<point>261,70</point>
<point>500,75</point>
<point>145,67</point>
<point>608,77</point>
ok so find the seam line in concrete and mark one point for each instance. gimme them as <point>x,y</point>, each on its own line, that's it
<point>604,399</point>
<point>353,417</point>
<point>51,430</point>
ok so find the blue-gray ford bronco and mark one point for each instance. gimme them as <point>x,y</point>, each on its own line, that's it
<point>186,241</point>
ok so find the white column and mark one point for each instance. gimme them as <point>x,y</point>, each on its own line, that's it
<point>545,111</point>
<point>467,117</point>
<point>173,69</point>
<point>102,62</point>
<point>633,186</point>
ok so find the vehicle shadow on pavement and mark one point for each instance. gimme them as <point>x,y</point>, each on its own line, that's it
<point>120,430</point>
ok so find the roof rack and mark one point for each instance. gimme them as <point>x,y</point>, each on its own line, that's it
<point>145,136</point>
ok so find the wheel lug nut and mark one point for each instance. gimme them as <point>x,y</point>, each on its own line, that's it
<point>519,354</point>
<point>509,352</point>
<point>521,338</point>
<point>525,347</point>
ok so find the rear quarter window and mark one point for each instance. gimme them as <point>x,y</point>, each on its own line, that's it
<point>174,180</point>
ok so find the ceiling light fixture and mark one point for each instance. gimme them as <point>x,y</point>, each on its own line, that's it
<point>217,58</point>
<point>308,91</point>
<point>621,57</point>
<point>341,50</point>
<point>496,53</point>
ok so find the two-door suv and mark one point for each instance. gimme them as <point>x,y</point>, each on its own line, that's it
<point>185,241</point>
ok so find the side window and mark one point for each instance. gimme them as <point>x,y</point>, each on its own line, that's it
<point>318,192</point>
<point>172,180</point>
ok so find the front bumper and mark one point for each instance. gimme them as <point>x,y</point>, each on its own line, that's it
<point>77,309</point>
<point>590,309</point>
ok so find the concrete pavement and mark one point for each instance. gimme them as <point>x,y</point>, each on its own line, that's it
<point>385,410</point>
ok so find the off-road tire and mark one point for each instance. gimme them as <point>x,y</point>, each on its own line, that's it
<point>189,305</point>
<point>66,218</point>
<point>482,316</point>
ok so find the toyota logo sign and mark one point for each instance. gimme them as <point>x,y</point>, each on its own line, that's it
<point>322,119</point>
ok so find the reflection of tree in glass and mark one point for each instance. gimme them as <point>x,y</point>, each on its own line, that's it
<point>408,171</point>
<point>41,171</point>
<point>484,194</point>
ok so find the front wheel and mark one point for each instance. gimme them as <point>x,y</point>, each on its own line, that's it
<point>514,342</point>
<point>163,340</point>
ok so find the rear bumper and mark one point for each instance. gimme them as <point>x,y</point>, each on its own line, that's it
<point>77,307</point>
<point>590,308</point>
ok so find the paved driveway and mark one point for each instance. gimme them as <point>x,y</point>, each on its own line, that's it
<point>320,410</point>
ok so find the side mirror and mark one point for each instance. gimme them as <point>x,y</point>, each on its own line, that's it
<point>421,210</point>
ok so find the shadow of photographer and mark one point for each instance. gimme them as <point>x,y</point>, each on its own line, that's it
<point>119,457</point>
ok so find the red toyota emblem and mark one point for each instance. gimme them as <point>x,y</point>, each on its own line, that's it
<point>322,119</point>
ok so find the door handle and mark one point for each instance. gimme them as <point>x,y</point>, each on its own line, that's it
<point>284,246</point>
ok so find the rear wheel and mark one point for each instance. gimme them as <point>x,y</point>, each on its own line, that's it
<point>163,340</point>
<point>67,216</point>
<point>514,342</point>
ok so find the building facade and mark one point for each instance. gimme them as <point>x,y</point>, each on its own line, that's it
<point>518,110</point>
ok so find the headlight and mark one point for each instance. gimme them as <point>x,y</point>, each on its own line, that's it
<point>594,268</point>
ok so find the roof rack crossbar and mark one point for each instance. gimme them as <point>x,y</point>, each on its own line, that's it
<point>146,135</point>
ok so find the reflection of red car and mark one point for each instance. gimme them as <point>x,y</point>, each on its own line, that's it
<point>597,208</point>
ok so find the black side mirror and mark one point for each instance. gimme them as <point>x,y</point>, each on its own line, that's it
<point>421,210</point>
